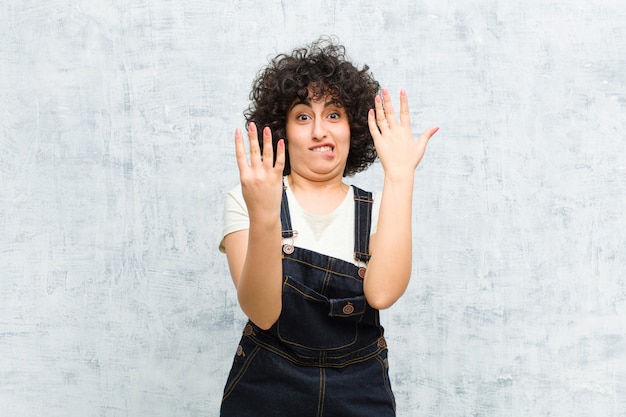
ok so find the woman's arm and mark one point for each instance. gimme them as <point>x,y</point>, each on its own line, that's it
<point>254,255</point>
<point>389,268</point>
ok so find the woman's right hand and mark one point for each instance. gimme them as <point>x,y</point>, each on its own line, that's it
<point>254,256</point>
<point>261,178</point>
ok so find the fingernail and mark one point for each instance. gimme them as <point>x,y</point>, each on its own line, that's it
<point>237,132</point>
<point>267,131</point>
<point>385,92</point>
<point>377,99</point>
<point>403,92</point>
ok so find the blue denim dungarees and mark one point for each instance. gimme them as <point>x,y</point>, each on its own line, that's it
<point>326,354</point>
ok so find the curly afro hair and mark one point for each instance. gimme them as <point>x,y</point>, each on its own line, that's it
<point>315,71</point>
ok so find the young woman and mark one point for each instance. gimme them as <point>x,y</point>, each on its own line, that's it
<point>313,259</point>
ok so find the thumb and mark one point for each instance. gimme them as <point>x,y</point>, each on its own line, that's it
<point>423,139</point>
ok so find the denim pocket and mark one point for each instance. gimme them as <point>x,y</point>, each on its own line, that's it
<point>313,321</point>
<point>352,307</point>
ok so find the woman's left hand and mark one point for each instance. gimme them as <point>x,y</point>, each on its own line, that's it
<point>399,152</point>
<point>389,269</point>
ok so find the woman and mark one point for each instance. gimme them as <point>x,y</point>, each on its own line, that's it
<point>313,259</point>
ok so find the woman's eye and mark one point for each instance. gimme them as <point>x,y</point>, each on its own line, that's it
<point>302,117</point>
<point>334,116</point>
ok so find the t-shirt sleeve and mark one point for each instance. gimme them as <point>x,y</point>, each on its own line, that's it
<point>235,214</point>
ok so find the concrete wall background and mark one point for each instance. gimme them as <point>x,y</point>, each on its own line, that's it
<point>116,152</point>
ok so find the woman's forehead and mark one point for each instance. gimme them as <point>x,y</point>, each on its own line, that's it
<point>325,96</point>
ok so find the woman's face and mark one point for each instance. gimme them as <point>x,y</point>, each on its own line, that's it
<point>318,138</point>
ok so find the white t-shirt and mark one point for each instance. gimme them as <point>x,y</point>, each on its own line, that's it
<point>331,234</point>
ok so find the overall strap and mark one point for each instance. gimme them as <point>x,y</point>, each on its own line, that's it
<point>363,203</point>
<point>285,217</point>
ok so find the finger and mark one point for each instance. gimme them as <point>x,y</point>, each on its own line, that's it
<point>423,139</point>
<point>388,108</point>
<point>280,156</point>
<point>372,124</point>
<point>381,120</point>
<point>240,151</point>
<point>268,151</point>
<point>405,116</point>
<point>255,150</point>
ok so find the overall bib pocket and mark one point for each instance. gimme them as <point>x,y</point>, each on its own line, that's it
<point>313,321</point>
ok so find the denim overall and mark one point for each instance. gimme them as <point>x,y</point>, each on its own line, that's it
<point>326,354</point>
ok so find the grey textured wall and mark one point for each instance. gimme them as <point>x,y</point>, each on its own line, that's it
<point>116,151</point>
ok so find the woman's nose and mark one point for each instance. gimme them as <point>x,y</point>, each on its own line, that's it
<point>319,129</point>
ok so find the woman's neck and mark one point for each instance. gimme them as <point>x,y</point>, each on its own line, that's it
<point>318,197</point>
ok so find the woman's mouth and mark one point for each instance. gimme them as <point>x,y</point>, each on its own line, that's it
<point>323,149</point>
